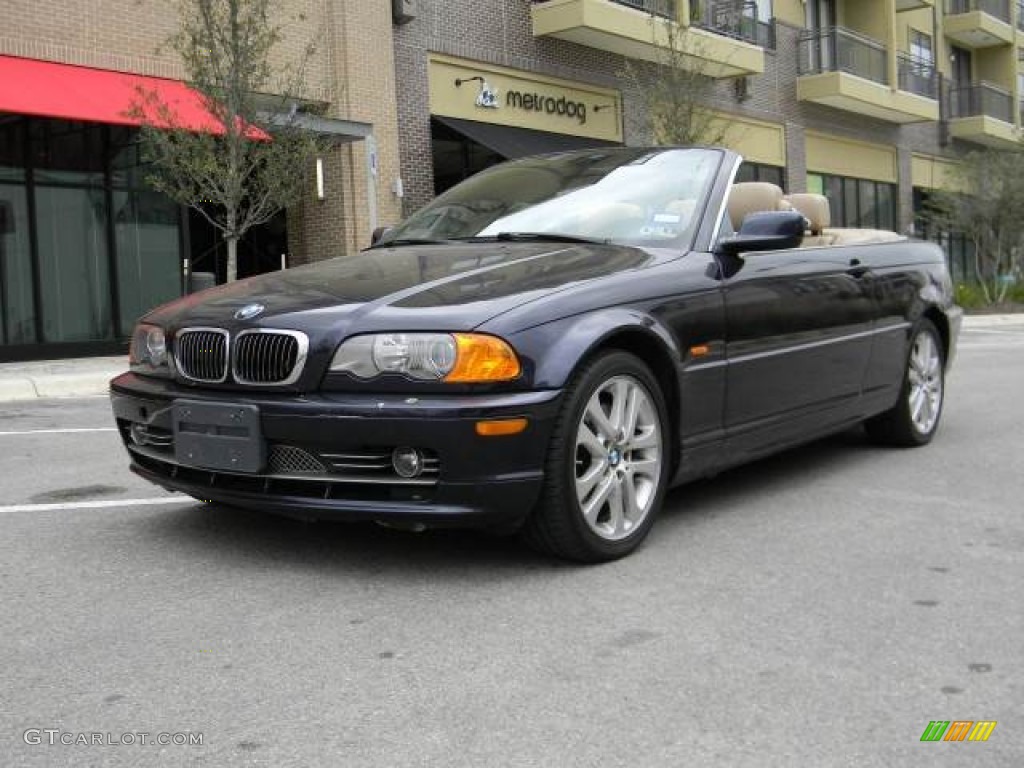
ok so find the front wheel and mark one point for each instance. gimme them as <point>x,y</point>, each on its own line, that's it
<point>915,417</point>
<point>608,463</point>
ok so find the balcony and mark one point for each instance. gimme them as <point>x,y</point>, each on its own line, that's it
<point>738,20</point>
<point>983,113</point>
<point>720,44</point>
<point>846,70</point>
<point>917,76</point>
<point>978,23</point>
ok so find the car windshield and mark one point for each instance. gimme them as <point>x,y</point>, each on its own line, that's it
<point>631,196</point>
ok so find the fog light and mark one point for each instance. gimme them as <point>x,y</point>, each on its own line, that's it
<point>137,432</point>
<point>408,462</point>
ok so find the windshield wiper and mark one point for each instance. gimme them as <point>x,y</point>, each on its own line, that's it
<point>410,241</point>
<point>555,237</point>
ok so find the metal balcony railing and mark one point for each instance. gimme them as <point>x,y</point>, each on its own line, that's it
<point>981,99</point>
<point>998,8</point>
<point>917,76</point>
<point>842,50</point>
<point>666,9</point>
<point>734,18</point>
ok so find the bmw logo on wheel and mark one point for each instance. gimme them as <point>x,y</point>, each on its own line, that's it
<point>249,311</point>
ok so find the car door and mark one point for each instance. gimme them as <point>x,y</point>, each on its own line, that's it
<point>798,341</point>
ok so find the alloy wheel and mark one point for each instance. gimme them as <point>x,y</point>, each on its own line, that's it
<point>618,458</point>
<point>925,377</point>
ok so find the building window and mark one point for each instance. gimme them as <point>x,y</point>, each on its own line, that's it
<point>921,47</point>
<point>772,174</point>
<point>857,202</point>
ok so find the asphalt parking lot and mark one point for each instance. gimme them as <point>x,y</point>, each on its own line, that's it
<point>819,608</point>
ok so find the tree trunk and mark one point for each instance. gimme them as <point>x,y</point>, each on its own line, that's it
<point>231,235</point>
<point>232,259</point>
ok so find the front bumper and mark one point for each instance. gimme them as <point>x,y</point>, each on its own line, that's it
<point>475,481</point>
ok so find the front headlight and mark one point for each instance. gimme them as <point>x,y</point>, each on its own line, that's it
<point>148,351</point>
<point>466,358</point>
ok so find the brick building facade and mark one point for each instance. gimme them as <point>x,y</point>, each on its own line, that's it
<point>55,303</point>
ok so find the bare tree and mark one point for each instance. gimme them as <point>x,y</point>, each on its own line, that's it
<point>986,208</point>
<point>676,89</point>
<point>257,162</point>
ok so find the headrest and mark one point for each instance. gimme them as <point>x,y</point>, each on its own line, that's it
<point>750,197</point>
<point>815,209</point>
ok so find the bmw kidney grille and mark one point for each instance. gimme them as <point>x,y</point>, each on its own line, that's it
<point>257,356</point>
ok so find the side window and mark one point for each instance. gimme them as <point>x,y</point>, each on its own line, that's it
<point>725,228</point>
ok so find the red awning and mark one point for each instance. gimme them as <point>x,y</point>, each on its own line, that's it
<point>48,89</point>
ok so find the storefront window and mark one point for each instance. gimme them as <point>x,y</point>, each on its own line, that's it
<point>17,305</point>
<point>74,278</point>
<point>856,202</point>
<point>772,174</point>
<point>12,148</point>
<point>67,152</point>
<point>147,244</point>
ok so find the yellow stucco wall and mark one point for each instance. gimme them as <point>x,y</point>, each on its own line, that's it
<point>791,12</point>
<point>757,140</point>
<point>869,17</point>
<point>848,157</point>
<point>931,172</point>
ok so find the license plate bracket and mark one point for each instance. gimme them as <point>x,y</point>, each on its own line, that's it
<point>220,436</point>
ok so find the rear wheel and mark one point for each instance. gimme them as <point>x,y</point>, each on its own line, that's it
<point>915,417</point>
<point>607,463</point>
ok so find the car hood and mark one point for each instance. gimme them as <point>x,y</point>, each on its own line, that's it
<point>414,287</point>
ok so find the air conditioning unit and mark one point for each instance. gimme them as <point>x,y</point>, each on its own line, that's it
<point>404,11</point>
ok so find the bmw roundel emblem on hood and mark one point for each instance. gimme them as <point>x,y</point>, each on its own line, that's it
<point>249,311</point>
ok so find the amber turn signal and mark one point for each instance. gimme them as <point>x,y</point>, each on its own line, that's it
<point>498,427</point>
<point>481,359</point>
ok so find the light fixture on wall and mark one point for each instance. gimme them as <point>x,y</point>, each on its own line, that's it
<point>320,194</point>
<point>460,80</point>
<point>600,107</point>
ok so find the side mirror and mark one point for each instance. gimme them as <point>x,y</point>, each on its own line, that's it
<point>377,234</point>
<point>766,231</point>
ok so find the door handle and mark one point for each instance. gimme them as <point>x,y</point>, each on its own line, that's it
<point>856,269</point>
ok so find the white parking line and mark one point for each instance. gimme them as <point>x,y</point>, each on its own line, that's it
<point>57,431</point>
<point>96,504</point>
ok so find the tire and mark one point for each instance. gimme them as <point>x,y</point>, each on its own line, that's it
<point>914,419</point>
<point>603,487</point>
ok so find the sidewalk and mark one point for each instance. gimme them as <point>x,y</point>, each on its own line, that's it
<point>91,375</point>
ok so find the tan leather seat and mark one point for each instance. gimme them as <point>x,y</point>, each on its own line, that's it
<point>752,197</point>
<point>850,236</point>
<point>816,209</point>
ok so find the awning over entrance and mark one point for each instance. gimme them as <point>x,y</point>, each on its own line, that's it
<point>49,89</point>
<point>512,143</point>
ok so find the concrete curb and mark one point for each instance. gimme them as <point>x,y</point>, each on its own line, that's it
<point>82,377</point>
<point>992,321</point>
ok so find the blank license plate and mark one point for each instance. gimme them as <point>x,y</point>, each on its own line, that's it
<point>218,436</point>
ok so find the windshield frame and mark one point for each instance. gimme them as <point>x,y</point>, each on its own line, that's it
<point>618,164</point>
